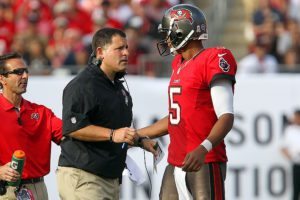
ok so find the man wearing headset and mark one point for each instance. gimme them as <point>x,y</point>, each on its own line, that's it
<point>97,115</point>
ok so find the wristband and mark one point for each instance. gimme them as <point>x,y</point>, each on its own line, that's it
<point>207,145</point>
<point>111,135</point>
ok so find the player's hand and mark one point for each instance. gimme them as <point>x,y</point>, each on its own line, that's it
<point>149,145</point>
<point>194,160</point>
<point>126,134</point>
<point>8,174</point>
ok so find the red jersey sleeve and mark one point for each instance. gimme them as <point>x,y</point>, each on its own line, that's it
<point>220,64</point>
<point>56,128</point>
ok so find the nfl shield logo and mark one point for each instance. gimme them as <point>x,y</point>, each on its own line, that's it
<point>73,120</point>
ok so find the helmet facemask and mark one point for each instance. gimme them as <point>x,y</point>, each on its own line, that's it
<point>172,39</point>
<point>163,45</point>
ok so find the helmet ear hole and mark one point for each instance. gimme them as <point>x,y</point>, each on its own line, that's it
<point>179,34</point>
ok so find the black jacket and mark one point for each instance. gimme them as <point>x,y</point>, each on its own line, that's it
<point>92,99</point>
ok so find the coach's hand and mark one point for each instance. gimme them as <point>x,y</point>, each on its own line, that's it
<point>194,160</point>
<point>126,134</point>
<point>8,174</point>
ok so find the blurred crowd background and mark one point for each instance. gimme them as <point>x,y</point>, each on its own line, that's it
<point>54,36</point>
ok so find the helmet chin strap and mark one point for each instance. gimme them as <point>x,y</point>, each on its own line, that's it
<point>183,43</point>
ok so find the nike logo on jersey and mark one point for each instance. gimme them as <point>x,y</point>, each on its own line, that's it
<point>221,54</point>
<point>176,81</point>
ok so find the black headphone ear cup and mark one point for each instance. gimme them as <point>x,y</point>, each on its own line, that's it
<point>97,62</point>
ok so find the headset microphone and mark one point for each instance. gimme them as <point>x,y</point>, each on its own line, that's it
<point>93,60</point>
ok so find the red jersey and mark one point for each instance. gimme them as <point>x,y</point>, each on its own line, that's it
<point>31,129</point>
<point>191,111</point>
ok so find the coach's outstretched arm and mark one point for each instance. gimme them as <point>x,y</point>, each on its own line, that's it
<point>94,133</point>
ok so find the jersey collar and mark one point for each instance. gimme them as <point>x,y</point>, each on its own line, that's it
<point>6,105</point>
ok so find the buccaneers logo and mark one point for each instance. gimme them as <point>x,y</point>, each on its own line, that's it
<point>35,116</point>
<point>181,15</point>
<point>223,64</point>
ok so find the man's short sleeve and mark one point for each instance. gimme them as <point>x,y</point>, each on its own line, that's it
<point>56,128</point>
<point>220,64</point>
<point>76,106</point>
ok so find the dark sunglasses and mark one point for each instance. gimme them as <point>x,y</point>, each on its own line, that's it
<point>19,71</point>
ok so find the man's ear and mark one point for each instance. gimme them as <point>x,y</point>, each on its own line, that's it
<point>99,53</point>
<point>2,80</point>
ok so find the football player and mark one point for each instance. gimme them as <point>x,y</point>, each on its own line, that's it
<point>200,107</point>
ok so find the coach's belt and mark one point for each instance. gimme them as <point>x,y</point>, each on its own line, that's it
<point>32,180</point>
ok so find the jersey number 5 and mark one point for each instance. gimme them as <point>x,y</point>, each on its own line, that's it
<point>174,116</point>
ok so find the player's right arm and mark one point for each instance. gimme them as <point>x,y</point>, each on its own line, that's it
<point>158,129</point>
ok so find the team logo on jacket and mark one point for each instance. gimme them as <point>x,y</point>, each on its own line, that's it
<point>223,64</point>
<point>181,14</point>
<point>125,96</point>
<point>35,116</point>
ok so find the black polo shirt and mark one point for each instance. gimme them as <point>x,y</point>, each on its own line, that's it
<point>92,99</point>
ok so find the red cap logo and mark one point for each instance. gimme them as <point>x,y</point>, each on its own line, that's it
<point>181,15</point>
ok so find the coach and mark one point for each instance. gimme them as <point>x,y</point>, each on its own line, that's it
<point>97,114</point>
